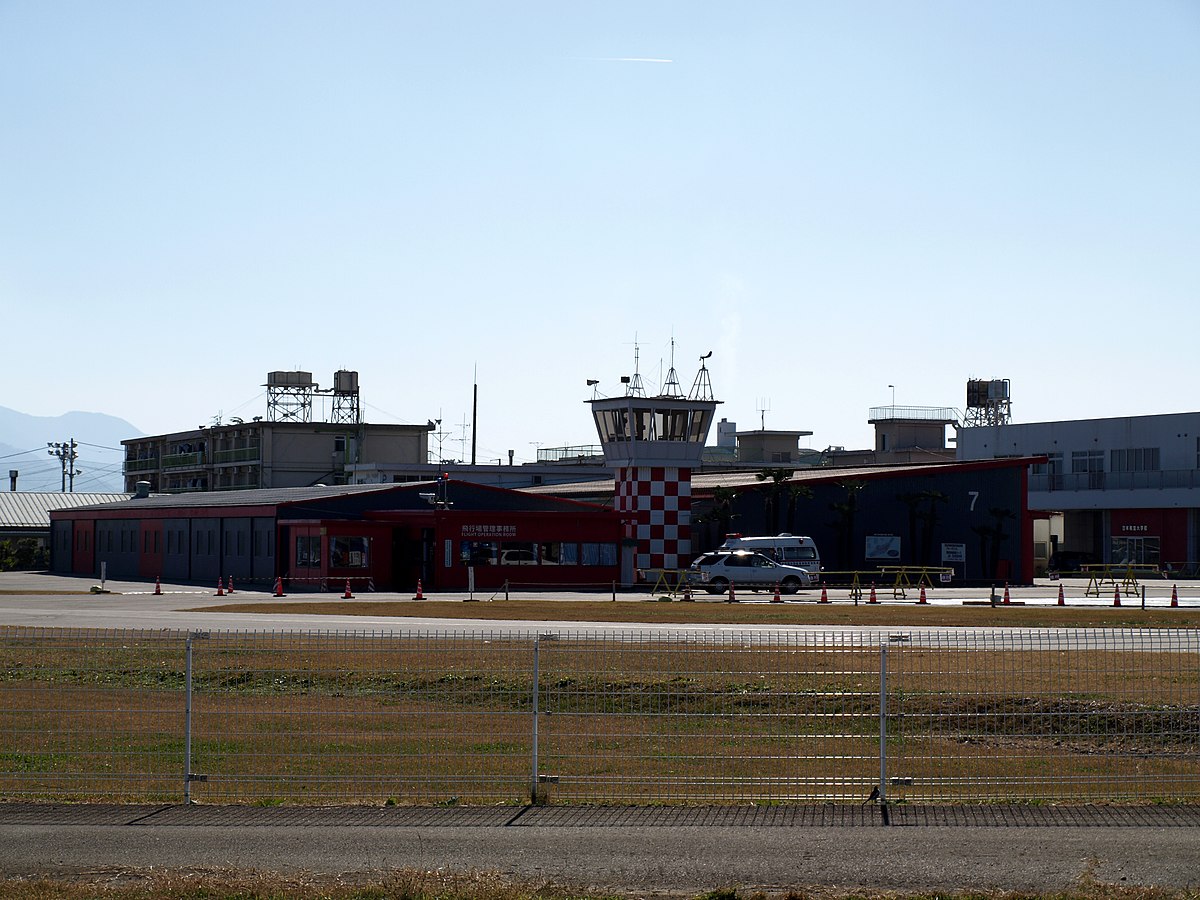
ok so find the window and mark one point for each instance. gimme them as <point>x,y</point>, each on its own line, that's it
<point>349,552</point>
<point>1091,464</point>
<point>553,554</point>
<point>1052,469</point>
<point>1135,551</point>
<point>517,553</point>
<point>599,554</point>
<point>477,553</point>
<point>339,443</point>
<point>308,551</point>
<point>1138,459</point>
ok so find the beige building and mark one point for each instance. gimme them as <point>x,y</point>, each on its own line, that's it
<point>263,454</point>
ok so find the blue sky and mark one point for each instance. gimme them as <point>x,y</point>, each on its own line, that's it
<point>832,197</point>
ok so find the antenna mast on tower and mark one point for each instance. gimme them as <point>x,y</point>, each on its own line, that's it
<point>672,388</point>
<point>702,386</point>
<point>635,388</point>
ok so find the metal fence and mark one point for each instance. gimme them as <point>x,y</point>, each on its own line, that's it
<point>955,716</point>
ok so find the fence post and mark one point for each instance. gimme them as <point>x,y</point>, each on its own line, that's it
<point>533,784</point>
<point>188,775</point>
<point>187,721</point>
<point>883,724</point>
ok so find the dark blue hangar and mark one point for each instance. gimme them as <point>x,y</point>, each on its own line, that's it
<point>971,517</point>
<point>383,537</point>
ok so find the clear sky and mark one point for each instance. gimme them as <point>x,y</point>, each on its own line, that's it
<point>834,197</point>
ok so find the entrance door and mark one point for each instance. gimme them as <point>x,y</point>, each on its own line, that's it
<point>1135,551</point>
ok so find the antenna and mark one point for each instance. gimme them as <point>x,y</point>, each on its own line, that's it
<point>702,386</point>
<point>634,388</point>
<point>672,388</point>
<point>764,407</point>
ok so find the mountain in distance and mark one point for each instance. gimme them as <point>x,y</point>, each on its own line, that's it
<point>23,440</point>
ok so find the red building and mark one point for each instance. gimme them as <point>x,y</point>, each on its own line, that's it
<point>381,536</point>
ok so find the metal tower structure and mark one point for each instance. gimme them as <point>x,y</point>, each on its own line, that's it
<point>988,402</point>
<point>289,396</point>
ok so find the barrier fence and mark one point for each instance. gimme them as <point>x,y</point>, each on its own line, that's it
<point>1077,716</point>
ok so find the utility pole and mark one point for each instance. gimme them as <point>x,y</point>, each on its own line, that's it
<point>65,453</point>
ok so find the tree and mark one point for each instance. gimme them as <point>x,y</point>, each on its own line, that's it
<point>775,488</point>
<point>843,525</point>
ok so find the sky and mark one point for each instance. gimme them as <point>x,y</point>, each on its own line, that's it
<point>850,204</point>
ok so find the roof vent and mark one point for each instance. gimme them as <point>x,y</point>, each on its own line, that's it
<point>141,490</point>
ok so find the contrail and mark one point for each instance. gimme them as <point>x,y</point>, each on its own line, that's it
<point>641,59</point>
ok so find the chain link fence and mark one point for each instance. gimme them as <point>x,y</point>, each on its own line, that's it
<point>1078,716</point>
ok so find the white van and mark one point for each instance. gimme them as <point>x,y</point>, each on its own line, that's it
<point>788,549</point>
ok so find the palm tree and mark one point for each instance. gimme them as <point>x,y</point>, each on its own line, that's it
<point>775,487</point>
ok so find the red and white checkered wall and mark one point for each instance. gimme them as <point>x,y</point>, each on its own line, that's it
<point>659,500</point>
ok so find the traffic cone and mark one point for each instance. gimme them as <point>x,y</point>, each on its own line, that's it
<point>279,586</point>
<point>1005,600</point>
<point>1174,595</point>
<point>824,595</point>
<point>229,590</point>
<point>776,598</point>
<point>687,592</point>
<point>157,587</point>
<point>732,598</point>
<point>1117,596</point>
<point>873,598</point>
<point>420,593</point>
<point>220,587</point>
<point>347,595</point>
<point>1062,598</point>
<point>922,599</point>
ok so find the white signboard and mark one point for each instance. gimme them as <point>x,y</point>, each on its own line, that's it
<point>883,546</point>
<point>954,553</point>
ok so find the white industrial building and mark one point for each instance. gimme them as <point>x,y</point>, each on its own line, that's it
<point>1127,489</point>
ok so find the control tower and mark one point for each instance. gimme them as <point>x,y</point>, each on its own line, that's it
<point>652,444</point>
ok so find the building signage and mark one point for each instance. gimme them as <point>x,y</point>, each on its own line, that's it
<point>488,532</point>
<point>883,546</point>
<point>954,553</point>
<point>1135,529</point>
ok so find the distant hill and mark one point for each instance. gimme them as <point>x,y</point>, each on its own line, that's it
<point>23,440</point>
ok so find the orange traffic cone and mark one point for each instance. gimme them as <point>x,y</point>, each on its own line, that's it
<point>687,592</point>
<point>1005,600</point>
<point>776,598</point>
<point>420,593</point>
<point>732,598</point>
<point>229,590</point>
<point>347,595</point>
<point>1174,595</point>
<point>279,586</point>
<point>1117,596</point>
<point>922,599</point>
<point>1062,598</point>
<point>220,587</point>
<point>873,598</point>
<point>824,595</point>
<point>157,587</point>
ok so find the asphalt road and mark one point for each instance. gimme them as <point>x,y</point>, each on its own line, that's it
<point>685,851</point>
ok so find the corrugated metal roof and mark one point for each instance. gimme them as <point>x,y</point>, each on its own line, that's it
<point>257,497</point>
<point>31,509</point>
<point>704,483</point>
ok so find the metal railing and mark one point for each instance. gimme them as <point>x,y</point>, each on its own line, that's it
<point>240,454</point>
<point>1165,479</point>
<point>183,461</point>
<point>1067,716</point>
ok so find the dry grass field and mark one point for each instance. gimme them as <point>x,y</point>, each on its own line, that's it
<point>663,612</point>
<point>347,718</point>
